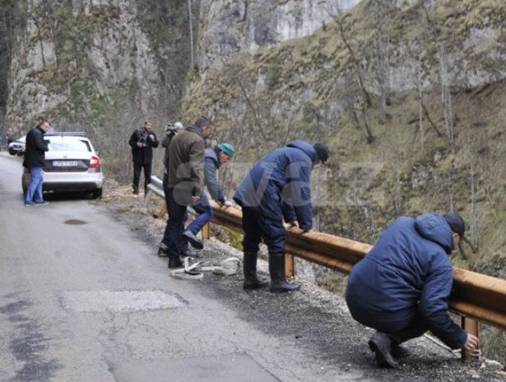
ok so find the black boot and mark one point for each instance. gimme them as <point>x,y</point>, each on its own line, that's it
<point>381,344</point>
<point>279,284</point>
<point>251,280</point>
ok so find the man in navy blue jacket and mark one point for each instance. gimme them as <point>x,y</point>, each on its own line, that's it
<point>277,188</point>
<point>401,288</point>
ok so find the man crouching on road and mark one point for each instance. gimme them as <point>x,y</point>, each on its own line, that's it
<point>401,287</point>
<point>277,187</point>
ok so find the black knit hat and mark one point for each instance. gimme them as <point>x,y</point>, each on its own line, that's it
<point>456,223</point>
<point>458,226</point>
<point>322,151</point>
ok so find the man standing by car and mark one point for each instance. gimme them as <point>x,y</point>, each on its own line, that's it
<point>185,185</point>
<point>34,161</point>
<point>142,141</point>
<point>277,187</point>
<point>401,287</point>
<point>214,159</point>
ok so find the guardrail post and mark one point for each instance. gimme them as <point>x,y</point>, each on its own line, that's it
<point>206,232</point>
<point>472,327</point>
<point>289,265</point>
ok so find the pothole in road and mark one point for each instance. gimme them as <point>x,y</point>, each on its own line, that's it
<point>75,222</point>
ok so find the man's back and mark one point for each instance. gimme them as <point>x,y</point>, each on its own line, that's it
<point>392,277</point>
<point>186,159</point>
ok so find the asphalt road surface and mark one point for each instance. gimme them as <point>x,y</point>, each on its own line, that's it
<point>85,298</point>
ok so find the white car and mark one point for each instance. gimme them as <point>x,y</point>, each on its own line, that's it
<point>17,147</point>
<point>71,165</point>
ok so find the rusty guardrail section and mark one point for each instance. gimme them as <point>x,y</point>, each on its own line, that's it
<point>476,296</point>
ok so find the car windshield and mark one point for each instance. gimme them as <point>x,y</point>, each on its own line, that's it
<point>68,145</point>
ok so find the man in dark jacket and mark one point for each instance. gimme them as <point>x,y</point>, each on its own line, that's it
<point>401,287</point>
<point>34,161</point>
<point>185,185</point>
<point>214,159</point>
<point>277,187</point>
<point>170,133</point>
<point>142,141</point>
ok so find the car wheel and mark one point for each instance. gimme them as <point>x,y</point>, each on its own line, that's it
<point>97,193</point>
<point>12,152</point>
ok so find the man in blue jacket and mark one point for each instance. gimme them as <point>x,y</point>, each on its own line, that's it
<point>214,158</point>
<point>277,187</point>
<point>401,288</point>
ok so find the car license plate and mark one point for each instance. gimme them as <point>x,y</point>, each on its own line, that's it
<point>65,163</point>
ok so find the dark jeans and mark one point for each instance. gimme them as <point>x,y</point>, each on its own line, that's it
<point>166,190</point>
<point>137,175</point>
<point>398,330</point>
<point>257,227</point>
<point>205,214</point>
<point>173,237</point>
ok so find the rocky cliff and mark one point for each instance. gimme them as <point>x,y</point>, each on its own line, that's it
<point>100,66</point>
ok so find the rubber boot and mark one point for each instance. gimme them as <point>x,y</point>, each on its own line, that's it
<point>381,344</point>
<point>279,284</point>
<point>251,280</point>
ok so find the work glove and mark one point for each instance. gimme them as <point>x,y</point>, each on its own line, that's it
<point>226,203</point>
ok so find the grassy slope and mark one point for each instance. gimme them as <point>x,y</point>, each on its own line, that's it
<point>253,98</point>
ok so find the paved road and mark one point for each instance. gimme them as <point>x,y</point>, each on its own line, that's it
<point>91,302</point>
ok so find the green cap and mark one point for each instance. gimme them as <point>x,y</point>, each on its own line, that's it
<point>227,148</point>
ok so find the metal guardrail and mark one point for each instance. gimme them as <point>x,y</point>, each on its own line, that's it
<point>476,296</point>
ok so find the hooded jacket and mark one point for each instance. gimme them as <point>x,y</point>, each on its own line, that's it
<point>186,164</point>
<point>408,275</point>
<point>280,184</point>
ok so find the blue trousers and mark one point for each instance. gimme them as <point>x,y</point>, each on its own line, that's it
<point>205,214</point>
<point>34,191</point>
<point>399,330</point>
<point>257,227</point>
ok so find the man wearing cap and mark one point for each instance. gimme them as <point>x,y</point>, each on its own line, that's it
<point>214,159</point>
<point>277,188</point>
<point>401,288</point>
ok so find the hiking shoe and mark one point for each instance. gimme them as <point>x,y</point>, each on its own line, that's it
<point>163,250</point>
<point>193,239</point>
<point>381,345</point>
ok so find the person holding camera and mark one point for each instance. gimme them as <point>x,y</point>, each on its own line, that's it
<point>142,141</point>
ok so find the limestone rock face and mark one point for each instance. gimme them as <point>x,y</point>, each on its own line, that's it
<point>229,27</point>
<point>92,64</point>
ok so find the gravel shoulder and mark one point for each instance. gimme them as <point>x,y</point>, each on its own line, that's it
<point>314,320</point>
